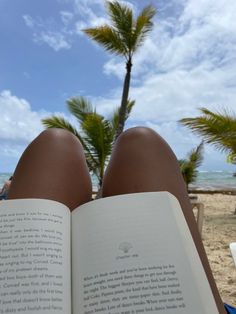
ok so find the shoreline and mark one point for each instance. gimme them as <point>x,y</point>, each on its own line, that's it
<point>213,190</point>
<point>201,190</point>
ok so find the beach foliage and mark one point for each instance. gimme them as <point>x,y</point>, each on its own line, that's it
<point>189,165</point>
<point>123,36</point>
<point>217,128</point>
<point>231,158</point>
<point>95,132</point>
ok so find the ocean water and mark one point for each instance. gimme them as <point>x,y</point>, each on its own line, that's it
<point>205,180</point>
<point>215,179</point>
<point>4,177</point>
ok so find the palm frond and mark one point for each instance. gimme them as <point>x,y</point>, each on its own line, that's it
<point>80,107</point>
<point>187,172</point>
<point>98,135</point>
<point>121,17</point>
<point>218,129</point>
<point>189,165</point>
<point>107,38</point>
<point>195,156</point>
<point>126,33</point>
<point>144,25</point>
<point>60,123</point>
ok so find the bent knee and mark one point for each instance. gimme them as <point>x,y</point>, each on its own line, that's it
<point>143,140</point>
<point>142,135</point>
<point>57,135</point>
<point>138,131</point>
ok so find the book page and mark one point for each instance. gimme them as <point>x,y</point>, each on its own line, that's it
<point>34,257</point>
<point>134,254</point>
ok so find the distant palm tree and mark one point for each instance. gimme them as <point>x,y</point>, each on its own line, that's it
<point>189,165</point>
<point>96,133</point>
<point>125,35</point>
<point>216,128</point>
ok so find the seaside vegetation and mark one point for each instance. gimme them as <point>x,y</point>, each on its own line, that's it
<point>216,128</point>
<point>189,165</point>
<point>95,132</point>
<point>123,37</point>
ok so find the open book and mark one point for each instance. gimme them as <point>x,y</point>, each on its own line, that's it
<point>125,254</point>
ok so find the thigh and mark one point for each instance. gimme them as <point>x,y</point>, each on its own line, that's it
<point>53,167</point>
<point>143,162</point>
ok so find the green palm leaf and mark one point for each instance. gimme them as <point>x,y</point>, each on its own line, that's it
<point>121,16</point>
<point>108,38</point>
<point>195,156</point>
<point>189,165</point>
<point>80,108</point>
<point>216,128</point>
<point>60,123</point>
<point>144,25</point>
<point>122,21</point>
<point>98,135</point>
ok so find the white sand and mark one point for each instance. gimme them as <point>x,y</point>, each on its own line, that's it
<point>219,229</point>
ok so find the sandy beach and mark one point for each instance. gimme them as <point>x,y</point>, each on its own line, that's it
<point>219,229</point>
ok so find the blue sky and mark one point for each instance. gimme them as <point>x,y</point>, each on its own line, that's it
<point>188,61</point>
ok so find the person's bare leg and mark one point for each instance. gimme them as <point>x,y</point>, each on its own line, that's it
<point>143,162</point>
<point>53,167</point>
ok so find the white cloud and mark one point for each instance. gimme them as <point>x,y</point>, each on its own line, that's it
<point>112,67</point>
<point>48,32</point>
<point>18,122</point>
<point>172,95</point>
<point>28,21</point>
<point>60,34</point>
<point>89,9</point>
<point>66,17</point>
<point>90,13</point>
<point>55,40</point>
<point>19,125</point>
<point>217,13</point>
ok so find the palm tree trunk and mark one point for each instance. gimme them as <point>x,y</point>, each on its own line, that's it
<point>125,95</point>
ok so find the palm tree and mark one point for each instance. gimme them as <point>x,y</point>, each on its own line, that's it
<point>125,35</point>
<point>96,133</point>
<point>189,165</point>
<point>216,128</point>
